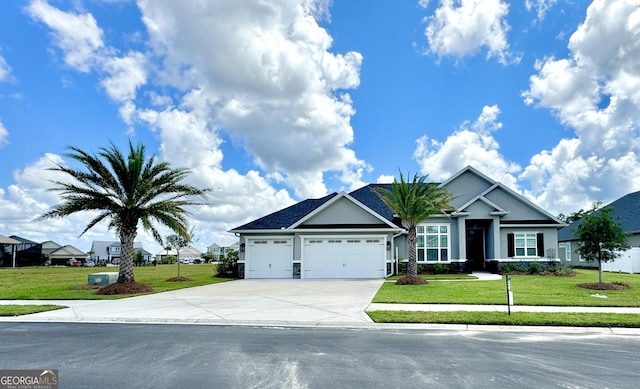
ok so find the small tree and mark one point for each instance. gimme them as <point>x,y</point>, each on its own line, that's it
<point>600,238</point>
<point>177,242</point>
<point>228,265</point>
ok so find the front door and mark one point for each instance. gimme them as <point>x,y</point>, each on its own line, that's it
<point>476,244</point>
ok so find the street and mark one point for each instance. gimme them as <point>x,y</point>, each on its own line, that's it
<point>192,356</point>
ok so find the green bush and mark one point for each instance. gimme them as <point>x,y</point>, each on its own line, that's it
<point>535,268</point>
<point>440,268</point>
<point>228,265</point>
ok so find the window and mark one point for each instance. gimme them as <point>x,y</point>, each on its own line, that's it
<point>432,243</point>
<point>526,244</point>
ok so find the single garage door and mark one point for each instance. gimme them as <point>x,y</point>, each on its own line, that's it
<point>269,258</point>
<point>344,258</point>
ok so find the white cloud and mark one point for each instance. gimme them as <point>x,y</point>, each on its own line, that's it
<point>4,135</point>
<point>596,92</point>
<point>472,144</point>
<point>460,28</point>
<point>273,85</point>
<point>385,179</point>
<point>125,75</point>
<point>540,6</point>
<point>5,69</point>
<point>78,35</point>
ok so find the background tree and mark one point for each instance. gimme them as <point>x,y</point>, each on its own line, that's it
<point>600,238</point>
<point>125,191</point>
<point>178,242</point>
<point>414,202</point>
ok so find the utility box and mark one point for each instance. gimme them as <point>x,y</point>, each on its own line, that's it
<point>103,278</point>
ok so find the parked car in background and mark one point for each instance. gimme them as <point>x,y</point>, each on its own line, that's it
<point>89,263</point>
<point>74,262</point>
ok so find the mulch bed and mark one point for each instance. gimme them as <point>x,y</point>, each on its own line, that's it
<point>179,279</point>
<point>603,286</point>
<point>125,288</point>
<point>411,280</point>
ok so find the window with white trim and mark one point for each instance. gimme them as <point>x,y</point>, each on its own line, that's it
<point>432,244</point>
<point>526,244</point>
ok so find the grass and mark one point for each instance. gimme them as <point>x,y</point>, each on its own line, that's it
<point>57,283</point>
<point>527,290</point>
<point>516,318</point>
<point>17,310</point>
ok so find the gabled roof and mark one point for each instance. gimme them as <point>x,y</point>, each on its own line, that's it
<point>67,251</point>
<point>7,240</point>
<point>285,217</point>
<point>626,211</point>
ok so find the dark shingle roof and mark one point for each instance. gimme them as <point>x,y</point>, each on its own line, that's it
<point>626,211</point>
<point>368,197</point>
<point>286,217</point>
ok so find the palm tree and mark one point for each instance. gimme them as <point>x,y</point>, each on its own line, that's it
<point>413,202</point>
<point>125,192</point>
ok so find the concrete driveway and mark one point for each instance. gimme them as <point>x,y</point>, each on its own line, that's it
<point>304,302</point>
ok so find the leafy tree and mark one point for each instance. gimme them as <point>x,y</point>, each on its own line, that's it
<point>125,191</point>
<point>228,265</point>
<point>138,257</point>
<point>414,202</point>
<point>208,257</point>
<point>600,238</point>
<point>178,242</point>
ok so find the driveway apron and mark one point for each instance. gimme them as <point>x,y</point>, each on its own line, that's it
<point>304,302</point>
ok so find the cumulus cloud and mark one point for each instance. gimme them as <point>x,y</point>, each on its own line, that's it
<point>459,28</point>
<point>596,92</point>
<point>471,144</point>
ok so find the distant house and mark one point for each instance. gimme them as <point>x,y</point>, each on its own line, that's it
<point>8,251</point>
<point>186,254</point>
<point>103,251</point>
<point>625,210</point>
<point>146,256</point>
<point>30,253</point>
<point>218,251</point>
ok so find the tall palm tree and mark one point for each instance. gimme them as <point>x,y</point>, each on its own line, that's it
<point>125,192</point>
<point>413,202</point>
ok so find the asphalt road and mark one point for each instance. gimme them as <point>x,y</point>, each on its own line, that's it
<point>191,356</point>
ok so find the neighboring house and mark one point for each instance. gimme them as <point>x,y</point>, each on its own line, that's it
<point>60,255</point>
<point>29,252</point>
<point>219,250</point>
<point>146,256</point>
<point>8,251</point>
<point>626,211</point>
<point>186,253</point>
<point>108,251</point>
<point>355,235</point>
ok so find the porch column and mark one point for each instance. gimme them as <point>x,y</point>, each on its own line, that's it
<point>462,238</point>
<point>497,253</point>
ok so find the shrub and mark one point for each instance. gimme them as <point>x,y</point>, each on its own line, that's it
<point>562,270</point>
<point>411,280</point>
<point>440,268</point>
<point>535,268</point>
<point>228,265</point>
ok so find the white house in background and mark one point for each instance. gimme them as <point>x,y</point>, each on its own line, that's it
<point>109,251</point>
<point>186,254</point>
<point>218,250</point>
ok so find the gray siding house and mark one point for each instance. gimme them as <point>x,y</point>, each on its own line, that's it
<point>355,235</point>
<point>625,210</point>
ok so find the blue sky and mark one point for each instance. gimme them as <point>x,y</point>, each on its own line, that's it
<point>272,102</point>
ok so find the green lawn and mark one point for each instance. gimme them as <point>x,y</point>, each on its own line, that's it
<point>17,310</point>
<point>527,290</point>
<point>57,283</point>
<point>516,318</point>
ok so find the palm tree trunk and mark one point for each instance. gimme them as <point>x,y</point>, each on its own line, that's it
<point>127,237</point>
<point>412,266</point>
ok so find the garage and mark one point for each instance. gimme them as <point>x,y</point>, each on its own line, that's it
<point>269,258</point>
<point>344,257</point>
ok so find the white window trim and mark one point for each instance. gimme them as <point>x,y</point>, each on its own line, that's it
<point>448,234</point>
<point>515,247</point>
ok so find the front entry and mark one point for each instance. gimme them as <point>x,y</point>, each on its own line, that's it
<point>476,232</point>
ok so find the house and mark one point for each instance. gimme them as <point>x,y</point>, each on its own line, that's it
<point>218,251</point>
<point>108,251</point>
<point>60,255</point>
<point>625,210</point>
<point>8,251</point>
<point>355,235</point>
<point>187,254</point>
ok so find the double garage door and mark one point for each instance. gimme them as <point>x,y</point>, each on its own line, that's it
<point>344,258</point>
<point>322,257</point>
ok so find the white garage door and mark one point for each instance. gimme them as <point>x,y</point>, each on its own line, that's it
<point>269,258</point>
<point>344,258</point>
